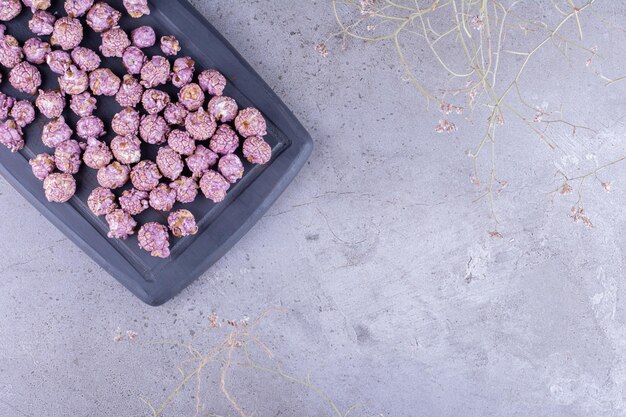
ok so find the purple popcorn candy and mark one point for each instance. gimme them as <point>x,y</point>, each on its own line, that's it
<point>97,154</point>
<point>126,122</point>
<point>114,175</point>
<point>201,160</point>
<point>114,42</point>
<point>67,33</point>
<point>137,8</point>
<point>121,224</point>
<point>67,156</point>
<point>90,127</point>
<point>224,141</point>
<point>55,133</point>
<point>182,223</point>
<point>200,124</point>
<point>186,189</point>
<point>85,58</point>
<point>9,9</point>
<point>256,150</point>
<point>10,51</point>
<point>102,81</point>
<point>126,149</point>
<point>83,105</point>
<point>23,112</point>
<point>50,103</point>
<point>175,114</point>
<point>133,59</point>
<point>101,201</point>
<point>35,50</point>
<point>42,23</point>
<point>77,8</point>
<point>42,165</point>
<point>230,167</point>
<point>181,142</point>
<point>169,162</point>
<point>145,175</point>
<point>129,94</point>
<point>212,81</point>
<point>250,122</point>
<point>153,238</point>
<point>134,201</point>
<point>214,186</point>
<point>182,71</point>
<point>170,45</point>
<point>6,103</point>
<point>162,197</point>
<point>25,77</point>
<point>59,187</point>
<point>153,129</point>
<point>59,61</point>
<point>143,37</point>
<point>74,81</point>
<point>223,108</point>
<point>191,96</point>
<point>155,72</point>
<point>102,17</point>
<point>184,63</point>
<point>35,5</point>
<point>11,135</point>
<point>154,101</point>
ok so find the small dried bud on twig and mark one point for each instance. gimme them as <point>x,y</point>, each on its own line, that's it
<point>445,126</point>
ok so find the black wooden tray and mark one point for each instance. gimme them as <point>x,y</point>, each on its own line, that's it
<point>221,225</point>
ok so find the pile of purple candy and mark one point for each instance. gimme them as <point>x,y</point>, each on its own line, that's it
<point>178,125</point>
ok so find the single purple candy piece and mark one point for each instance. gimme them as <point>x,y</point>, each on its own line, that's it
<point>143,37</point>
<point>212,81</point>
<point>201,160</point>
<point>154,101</point>
<point>162,197</point>
<point>77,8</point>
<point>35,50</point>
<point>256,150</point>
<point>186,189</point>
<point>25,77</point>
<point>10,50</point>
<point>114,42</point>
<point>200,124</point>
<point>182,223</point>
<point>9,9</point>
<point>11,135</point>
<point>223,108</point>
<point>59,61</point>
<point>114,175</point>
<point>42,165</point>
<point>181,142</point>
<point>230,167</point>
<point>169,162</point>
<point>50,103</point>
<point>85,58</point>
<point>35,5</point>
<point>23,112</point>
<point>97,154</point>
<point>103,81</point>
<point>250,122</point>
<point>55,132</point>
<point>134,201</point>
<point>101,201</point>
<point>102,17</point>
<point>170,45</point>
<point>153,238</point>
<point>90,127</point>
<point>184,63</point>
<point>83,105</point>
<point>224,140</point>
<point>129,94</point>
<point>137,8</point>
<point>126,149</point>
<point>126,122</point>
<point>59,187</point>
<point>175,114</point>
<point>67,33</point>
<point>74,81</point>
<point>6,103</point>
<point>67,156</point>
<point>121,224</point>
<point>153,129</point>
<point>145,175</point>
<point>182,71</point>
<point>155,72</point>
<point>133,59</point>
<point>42,23</point>
<point>191,96</point>
<point>214,186</point>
